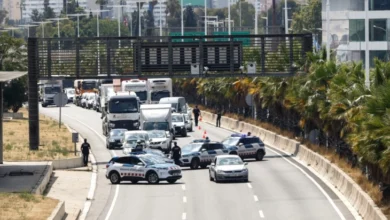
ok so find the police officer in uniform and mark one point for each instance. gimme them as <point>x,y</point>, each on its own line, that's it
<point>139,147</point>
<point>85,148</point>
<point>176,154</point>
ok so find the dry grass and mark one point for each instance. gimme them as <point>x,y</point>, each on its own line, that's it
<point>18,206</point>
<point>355,173</point>
<point>55,143</point>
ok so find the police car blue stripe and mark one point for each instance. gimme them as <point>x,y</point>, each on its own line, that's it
<point>128,165</point>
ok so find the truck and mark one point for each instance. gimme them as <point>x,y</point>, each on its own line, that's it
<point>159,88</point>
<point>157,117</point>
<point>122,110</point>
<point>138,86</point>
<point>83,86</point>
<point>48,89</point>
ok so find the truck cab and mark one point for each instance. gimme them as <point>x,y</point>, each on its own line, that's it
<point>49,90</point>
<point>179,105</point>
<point>138,86</point>
<point>122,110</point>
<point>158,89</point>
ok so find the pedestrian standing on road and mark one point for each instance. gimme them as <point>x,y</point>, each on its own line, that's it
<point>196,113</point>
<point>219,115</point>
<point>85,148</point>
<point>176,153</point>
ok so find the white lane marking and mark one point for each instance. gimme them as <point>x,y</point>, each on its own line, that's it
<point>114,154</point>
<point>184,216</point>
<point>183,187</point>
<point>113,203</point>
<point>184,199</point>
<point>255,198</point>
<point>92,187</point>
<point>249,185</point>
<point>261,214</point>
<point>316,184</point>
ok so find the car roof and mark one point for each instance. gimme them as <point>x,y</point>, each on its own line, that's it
<point>227,156</point>
<point>136,132</point>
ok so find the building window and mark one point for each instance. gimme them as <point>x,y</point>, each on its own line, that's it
<point>356,30</point>
<point>377,29</point>
<point>379,5</point>
<point>381,55</point>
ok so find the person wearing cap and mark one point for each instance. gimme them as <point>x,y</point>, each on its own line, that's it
<point>85,148</point>
<point>176,153</point>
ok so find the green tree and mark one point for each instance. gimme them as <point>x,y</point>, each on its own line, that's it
<point>190,17</point>
<point>15,94</point>
<point>173,12</point>
<point>36,16</point>
<point>309,17</point>
<point>48,12</point>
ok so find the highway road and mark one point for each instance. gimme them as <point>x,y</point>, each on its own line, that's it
<point>278,188</point>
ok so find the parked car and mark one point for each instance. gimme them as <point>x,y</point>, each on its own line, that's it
<point>189,124</point>
<point>228,167</point>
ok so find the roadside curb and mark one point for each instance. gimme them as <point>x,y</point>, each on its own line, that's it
<point>59,212</point>
<point>44,180</point>
<point>348,190</point>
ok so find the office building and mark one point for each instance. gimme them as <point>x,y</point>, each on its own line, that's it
<point>347,29</point>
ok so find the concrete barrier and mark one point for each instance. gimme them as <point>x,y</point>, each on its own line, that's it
<point>68,163</point>
<point>44,180</point>
<point>17,115</point>
<point>358,199</point>
<point>59,212</point>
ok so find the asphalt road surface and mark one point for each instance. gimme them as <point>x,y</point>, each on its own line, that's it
<point>277,188</point>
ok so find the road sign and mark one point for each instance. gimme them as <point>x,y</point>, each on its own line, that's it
<point>60,99</point>
<point>249,100</point>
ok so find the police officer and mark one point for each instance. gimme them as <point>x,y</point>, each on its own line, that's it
<point>176,153</point>
<point>139,147</point>
<point>207,139</point>
<point>85,148</point>
<point>219,115</point>
<point>196,113</point>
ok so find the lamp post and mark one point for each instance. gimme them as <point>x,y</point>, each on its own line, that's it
<point>182,18</point>
<point>256,18</point>
<point>367,52</point>
<point>43,26</point>
<point>266,18</point>
<point>229,17</point>
<point>386,32</point>
<point>12,30</point>
<point>205,17</point>
<point>160,18</point>
<point>28,28</point>
<point>78,21</point>
<point>286,17</point>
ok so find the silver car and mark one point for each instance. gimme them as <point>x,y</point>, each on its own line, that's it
<point>188,121</point>
<point>228,167</point>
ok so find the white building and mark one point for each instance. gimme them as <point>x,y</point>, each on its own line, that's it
<point>13,9</point>
<point>347,29</point>
<point>56,5</point>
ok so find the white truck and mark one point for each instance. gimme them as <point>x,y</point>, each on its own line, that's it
<point>157,117</point>
<point>138,86</point>
<point>159,88</point>
<point>49,88</point>
<point>122,111</point>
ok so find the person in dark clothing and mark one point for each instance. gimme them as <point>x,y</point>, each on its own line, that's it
<point>219,115</point>
<point>139,147</point>
<point>85,148</point>
<point>176,154</point>
<point>196,113</point>
<point>249,134</point>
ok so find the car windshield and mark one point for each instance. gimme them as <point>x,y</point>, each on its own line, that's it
<point>123,106</point>
<point>156,96</point>
<point>52,90</point>
<point>137,136</point>
<point>177,118</point>
<point>156,126</point>
<point>194,147</point>
<point>71,92</point>
<point>152,160</point>
<point>117,132</point>
<point>231,141</point>
<point>229,161</point>
<point>142,95</point>
<point>157,134</point>
<point>88,85</point>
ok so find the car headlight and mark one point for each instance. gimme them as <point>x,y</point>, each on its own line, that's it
<point>245,170</point>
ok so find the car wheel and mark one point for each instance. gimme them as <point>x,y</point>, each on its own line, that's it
<point>259,155</point>
<point>134,181</point>
<point>194,163</point>
<point>152,178</point>
<point>115,178</point>
<point>171,181</point>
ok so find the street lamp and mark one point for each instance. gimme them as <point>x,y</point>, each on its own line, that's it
<point>205,17</point>
<point>160,18</point>
<point>266,18</point>
<point>28,28</point>
<point>58,23</point>
<point>286,16</point>
<point>12,30</point>
<point>78,21</point>
<point>182,18</point>
<point>43,26</point>
<point>229,25</point>
<point>387,39</point>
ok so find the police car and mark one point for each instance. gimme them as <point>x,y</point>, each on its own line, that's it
<point>136,168</point>
<point>245,146</point>
<point>201,154</point>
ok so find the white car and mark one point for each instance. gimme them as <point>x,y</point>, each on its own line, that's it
<point>128,145</point>
<point>91,100</point>
<point>70,93</point>
<point>141,167</point>
<point>137,135</point>
<point>189,124</point>
<point>228,167</point>
<point>179,123</point>
<point>84,100</point>
<point>159,140</point>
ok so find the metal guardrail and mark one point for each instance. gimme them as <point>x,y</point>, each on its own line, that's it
<point>174,56</point>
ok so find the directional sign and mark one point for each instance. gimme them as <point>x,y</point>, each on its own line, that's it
<point>60,99</point>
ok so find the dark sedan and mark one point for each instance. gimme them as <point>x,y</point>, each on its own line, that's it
<point>114,138</point>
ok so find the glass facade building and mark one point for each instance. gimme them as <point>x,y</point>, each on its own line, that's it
<point>347,29</point>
